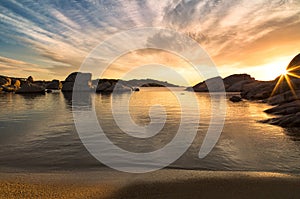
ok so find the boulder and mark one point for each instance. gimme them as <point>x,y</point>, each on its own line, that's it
<point>235,98</point>
<point>30,79</point>
<point>83,82</point>
<point>294,65</point>
<point>30,88</point>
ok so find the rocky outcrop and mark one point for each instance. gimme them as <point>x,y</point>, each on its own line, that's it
<point>215,85</point>
<point>232,83</point>
<point>258,90</point>
<point>28,87</point>
<point>290,120</point>
<point>109,86</point>
<point>54,85</point>
<point>285,109</point>
<point>83,82</point>
<point>286,98</point>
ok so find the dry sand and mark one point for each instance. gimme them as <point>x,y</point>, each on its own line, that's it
<point>160,184</point>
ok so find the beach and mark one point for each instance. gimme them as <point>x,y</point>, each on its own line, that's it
<point>167,183</point>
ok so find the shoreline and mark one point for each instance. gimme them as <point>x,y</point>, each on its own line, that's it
<point>167,183</point>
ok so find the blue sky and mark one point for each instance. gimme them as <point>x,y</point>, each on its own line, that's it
<point>50,38</point>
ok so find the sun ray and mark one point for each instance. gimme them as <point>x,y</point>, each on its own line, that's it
<point>277,85</point>
<point>292,74</point>
<point>290,83</point>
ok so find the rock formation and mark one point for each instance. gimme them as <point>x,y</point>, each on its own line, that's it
<point>83,82</point>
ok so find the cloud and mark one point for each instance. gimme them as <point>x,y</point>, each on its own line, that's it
<point>236,33</point>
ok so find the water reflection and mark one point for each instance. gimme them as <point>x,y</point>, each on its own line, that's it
<point>38,133</point>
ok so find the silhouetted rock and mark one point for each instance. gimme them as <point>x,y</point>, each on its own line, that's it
<point>109,86</point>
<point>285,109</point>
<point>54,85</point>
<point>291,120</point>
<point>30,79</point>
<point>257,90</point>
<point>235,98</point>
<point>4,81</point>
<point>294,65</point>
<point>232,83</point>
<point>83,82</point>
<point>282,98</point>
<point>216,85</point>
<point>30,88</point>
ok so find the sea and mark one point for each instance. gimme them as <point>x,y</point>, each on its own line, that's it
<point>38,133</point>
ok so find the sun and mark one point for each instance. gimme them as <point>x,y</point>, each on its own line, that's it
<point>284,71</point>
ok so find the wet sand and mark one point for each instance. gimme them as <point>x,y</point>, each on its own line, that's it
<point>160,184</point>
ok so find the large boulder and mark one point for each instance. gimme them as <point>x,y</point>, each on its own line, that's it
<point>83,82</point>
<point>294,65</point>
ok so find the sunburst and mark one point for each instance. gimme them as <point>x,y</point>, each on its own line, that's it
<point>286,76</point>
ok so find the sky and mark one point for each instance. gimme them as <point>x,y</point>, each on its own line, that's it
<point>49,39</point>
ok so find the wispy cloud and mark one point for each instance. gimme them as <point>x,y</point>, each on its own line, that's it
<point>235,33</point>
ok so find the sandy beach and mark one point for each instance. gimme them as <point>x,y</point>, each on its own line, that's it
<point>160,184</point>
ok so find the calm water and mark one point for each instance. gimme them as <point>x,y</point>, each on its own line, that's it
<point>37,133</point>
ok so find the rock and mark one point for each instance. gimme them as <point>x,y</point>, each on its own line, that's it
<point>239,86</point>
<point>291,120</point>
<point>54,85</point>
<point>257,90</point>
<point>285,109</point>
<point>30,79</point>
<point>109,86</point>
<point>83,82</point>
<point>16,83</point>
<point>136,89</point>
<point>30,88</point>
<point>232,83</point>
<point>282,98</point>
<point>216,85</point>
<point>5,81</point>
<point>236,78</point>
<point>293,66</point>
<point>235,98</point>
